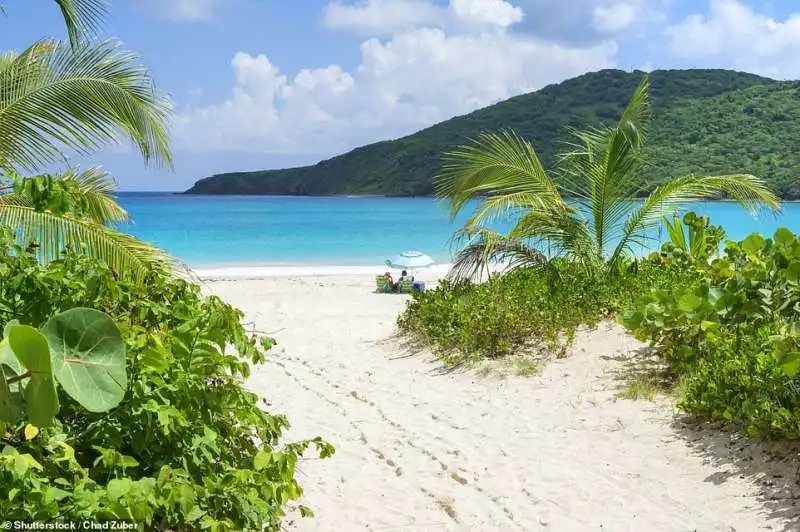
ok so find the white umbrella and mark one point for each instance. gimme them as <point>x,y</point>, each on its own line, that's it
<point>410,260</point>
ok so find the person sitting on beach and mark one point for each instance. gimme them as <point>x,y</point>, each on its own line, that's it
<point>403,277</point>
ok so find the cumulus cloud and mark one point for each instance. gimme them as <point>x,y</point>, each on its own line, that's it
<point>582,21</point>
<point>381,17</point>
<point>735,34</point>
<point>424,73</point>
<point>185,10</point>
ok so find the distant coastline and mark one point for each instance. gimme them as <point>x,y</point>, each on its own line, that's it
<point>344,196</point>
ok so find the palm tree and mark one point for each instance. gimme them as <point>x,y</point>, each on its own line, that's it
<point>599,174</point>
<point>78,96</point>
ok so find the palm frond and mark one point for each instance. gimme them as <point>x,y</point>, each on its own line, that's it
<point>131,257</point>
<point>82,17</point>
<point>95,189</point>
<point>747,190</point>
<point>483,247</point>
<point>636,117</point>
<point>15,199</point>
<point>502,166</point>
<point>53,97</point>
<point>562,232</point>
<point>602,170</point>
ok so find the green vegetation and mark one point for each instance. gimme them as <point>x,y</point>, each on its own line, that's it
<point>705,121</point>
<point>600,173</point>
<point>77,210</point>
<point>730,334</point>
<point>80,96</point>
<point>528,309</point>
<point>187,448</point>
<point>724,327</point>
<point>80,348</point>
<point>155,425</point>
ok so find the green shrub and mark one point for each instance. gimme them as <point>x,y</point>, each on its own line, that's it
<point>521,309</point>
<point>729,335</point>
<point>187,448</point>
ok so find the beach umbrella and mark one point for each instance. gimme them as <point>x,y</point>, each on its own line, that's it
<point>410,260</point>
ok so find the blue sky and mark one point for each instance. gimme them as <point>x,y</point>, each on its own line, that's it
<point>272,83</point>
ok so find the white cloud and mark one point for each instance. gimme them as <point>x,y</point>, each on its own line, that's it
<point>423,74</point>
<point>734,34</point>
<point>381,17</point>
<point>185,10</point>
<point>620,15</point>
<point>490,12</point>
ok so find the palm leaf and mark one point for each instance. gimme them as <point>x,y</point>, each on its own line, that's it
<point>602,170</point>
<point>95,189</point>
<point>82,17</point>
<point>504,167</point>
<point>562,232</point>
<point>52,234</point>
<point>483,247</point>
<point>747,190</point>
<point>53,97</point>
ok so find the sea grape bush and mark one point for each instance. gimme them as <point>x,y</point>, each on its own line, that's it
<point>730,335</point>
<point>81,349</point>
<point>187,448</point>
<point>522,309</point>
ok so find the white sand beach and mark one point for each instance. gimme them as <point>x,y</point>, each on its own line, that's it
<point>418,450</point>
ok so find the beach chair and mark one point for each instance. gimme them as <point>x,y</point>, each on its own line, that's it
<point>407,286</point>
<point>382,285</point>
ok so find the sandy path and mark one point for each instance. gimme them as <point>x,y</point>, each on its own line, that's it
<point>417,451</point>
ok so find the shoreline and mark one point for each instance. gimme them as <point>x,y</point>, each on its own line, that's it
<point>261,271</point>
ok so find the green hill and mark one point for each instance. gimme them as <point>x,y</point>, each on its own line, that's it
<point>704,121</point>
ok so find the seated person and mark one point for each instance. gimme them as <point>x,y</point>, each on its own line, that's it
<point>389,280</point>
<point>404,277</point>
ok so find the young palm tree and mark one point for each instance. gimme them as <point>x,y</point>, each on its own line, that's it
<point>79,96</point>
<point>584,210</point>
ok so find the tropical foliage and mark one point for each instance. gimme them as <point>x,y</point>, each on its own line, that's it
<point>77,96</point>
<point>80,348</point>
<point>730,335</point>
<point>77,210</point>
<point>695,240</point>
<point>599,227</point>
<point>187,448</point>
<point>705,121</point>
<point>526,310</point>
<point>155,426</point>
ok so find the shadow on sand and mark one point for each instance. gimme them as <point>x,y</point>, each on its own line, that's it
<point>773,467</point>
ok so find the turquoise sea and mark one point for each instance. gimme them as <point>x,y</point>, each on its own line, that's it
<point>222,231</point>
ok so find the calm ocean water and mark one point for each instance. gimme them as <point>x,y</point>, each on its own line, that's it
<point>220,231</point>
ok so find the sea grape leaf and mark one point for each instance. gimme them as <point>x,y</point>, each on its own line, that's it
<point>689,302</point>
<point>793,272</point>
<point>9,404</point>
<point>9,365</point>
<point>791,364</point>
<point>32,350</point>
<point>783,236</point>
<point>753,243</point>
<point>88,357</point>
<point>9,325</point>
